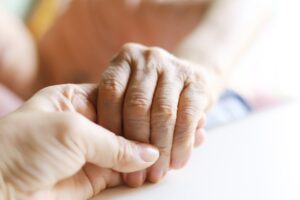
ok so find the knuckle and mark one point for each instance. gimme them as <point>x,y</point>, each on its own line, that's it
<point>153,58</point>
<point>164,150</point>
<point>130,49</point>
<point>138,100</point>
<point>53,89</point>
<point>200,81</point>
<point>200,87</point>
<point>158,50</point>
<point>187,116</point>
<point>110,85</point>
<point>130,45</point>
<point>185,72</point>
<point>47,89</point>
<point>67,126</point>
<point>155,54</point>
<point>201,74</point>
<point>126,52</point>
<point>165,110</point>
<point>183,138</point>
<point>200,96</point>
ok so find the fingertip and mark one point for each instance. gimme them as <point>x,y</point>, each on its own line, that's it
<point>200,135</point>
<point>181,154</point>
<point>135,179</point>
<point>178,164</point>
<point>155,175</point>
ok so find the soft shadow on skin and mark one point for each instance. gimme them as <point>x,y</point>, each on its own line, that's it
<point>117,192</point>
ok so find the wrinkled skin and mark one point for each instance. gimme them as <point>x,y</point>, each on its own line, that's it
<point>148,95</point>
<point>164,98</point>
<point>52,149</point>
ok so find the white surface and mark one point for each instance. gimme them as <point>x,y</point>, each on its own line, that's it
<point>272,64</point>
<point>254,159</point>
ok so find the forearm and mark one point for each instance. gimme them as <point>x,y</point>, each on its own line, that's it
<point>8,101</point>
<point>229,26</point>
<point>18,56</point>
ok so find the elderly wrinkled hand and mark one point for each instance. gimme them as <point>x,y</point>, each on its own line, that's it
<point>52,149</point>
<point>148,95</point>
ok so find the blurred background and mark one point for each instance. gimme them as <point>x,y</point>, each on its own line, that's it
<point>267,74</point>
<point>273,58</point>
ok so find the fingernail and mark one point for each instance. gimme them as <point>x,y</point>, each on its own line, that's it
<point>148,153</point>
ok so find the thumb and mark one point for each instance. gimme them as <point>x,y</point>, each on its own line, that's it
<point>105,149</point>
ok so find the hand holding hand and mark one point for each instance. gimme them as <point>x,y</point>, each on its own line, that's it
<point>52,149</point>
<point>148,95</point>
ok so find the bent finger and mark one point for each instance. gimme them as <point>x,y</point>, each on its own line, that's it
<point>111,94</point>
<point>104,149</point>
<point>191,105</point>
<point>136,117</point>
<point>163,119</point>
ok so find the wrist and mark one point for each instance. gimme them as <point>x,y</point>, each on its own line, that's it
<point>214,80</point>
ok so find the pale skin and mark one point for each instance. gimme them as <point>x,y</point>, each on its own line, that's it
<point>132,100</point>
<point>18,56</point>
<point>56,151</point>
<point>148,95</point>
<point>146,88</point>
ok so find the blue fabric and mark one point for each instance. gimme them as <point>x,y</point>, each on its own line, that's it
<point>230,107</point>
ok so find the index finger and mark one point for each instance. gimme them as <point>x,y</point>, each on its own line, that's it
<point>111,93</point>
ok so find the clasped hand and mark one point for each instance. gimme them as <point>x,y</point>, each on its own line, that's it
<point>73,141</point>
